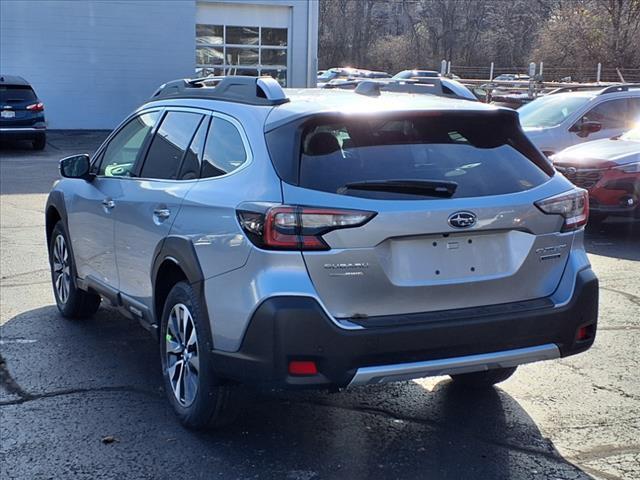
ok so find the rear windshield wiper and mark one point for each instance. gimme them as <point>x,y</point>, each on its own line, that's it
<point>431,188</point>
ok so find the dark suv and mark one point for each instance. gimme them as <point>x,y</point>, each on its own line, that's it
<point>21,112</point>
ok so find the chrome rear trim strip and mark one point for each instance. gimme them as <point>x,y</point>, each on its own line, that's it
<point>21,129</point>
<point>455,365</point>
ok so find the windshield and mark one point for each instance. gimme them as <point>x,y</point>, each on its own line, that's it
<point>549,111</point>
<point>404,74</point>
<point>632,135</point>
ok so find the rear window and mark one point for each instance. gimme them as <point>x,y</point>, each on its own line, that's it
<point>477,156</point>
<point>16,94</point>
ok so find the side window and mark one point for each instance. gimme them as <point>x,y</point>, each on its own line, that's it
<point>611,114</point>
<point>169,145</point>
<point>224,151</point>
<point>119,157</point>
<point>190,168</point>
<point>634,111</point>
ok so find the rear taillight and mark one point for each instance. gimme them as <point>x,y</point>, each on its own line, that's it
<point>297,228</point>
<point>36,107</point>
<point>573,206</point>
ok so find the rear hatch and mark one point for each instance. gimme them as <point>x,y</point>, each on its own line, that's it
<point>14,100</point>
<point>454,225</point>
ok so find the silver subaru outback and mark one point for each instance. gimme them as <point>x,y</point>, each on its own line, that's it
<point>323,239</point>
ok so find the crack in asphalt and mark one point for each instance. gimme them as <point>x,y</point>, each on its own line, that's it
<point>29,397</point>
<point>22,274</point>
<point>7,381</point>
<point>600,474</point>
<point>629,296</point>
<point>26,284</point>
<point>603,451</point>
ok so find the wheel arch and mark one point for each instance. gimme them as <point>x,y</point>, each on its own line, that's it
<point>175,260</point>
<point>55,211</point>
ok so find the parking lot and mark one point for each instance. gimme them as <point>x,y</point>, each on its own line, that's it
<point>84,399</point>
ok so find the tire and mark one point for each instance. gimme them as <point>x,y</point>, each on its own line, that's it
<point>70,300</point>
<point>39,142</point>
<point>199,399</point>
<point>484,379</point>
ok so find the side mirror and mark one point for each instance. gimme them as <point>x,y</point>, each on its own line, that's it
<point>76,166</point>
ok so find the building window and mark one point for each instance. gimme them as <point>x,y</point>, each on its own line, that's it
<point>238,50</point>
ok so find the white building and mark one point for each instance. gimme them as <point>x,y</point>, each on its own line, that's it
<point>93,61</point>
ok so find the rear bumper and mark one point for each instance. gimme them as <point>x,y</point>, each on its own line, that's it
<point>22,133</point>
<point>297,328</point>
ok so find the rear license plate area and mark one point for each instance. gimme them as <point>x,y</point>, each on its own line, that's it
<point>460,257</point>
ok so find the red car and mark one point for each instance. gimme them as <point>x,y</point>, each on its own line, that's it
<point>610,170</point>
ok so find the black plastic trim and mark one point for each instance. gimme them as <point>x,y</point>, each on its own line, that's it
<point>473,312</point>
<point>181,252</point>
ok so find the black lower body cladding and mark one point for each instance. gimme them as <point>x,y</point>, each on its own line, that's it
<point>297,328</point>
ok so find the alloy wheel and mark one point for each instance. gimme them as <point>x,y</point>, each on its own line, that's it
<point>183,363</point>
<point>61,269</point>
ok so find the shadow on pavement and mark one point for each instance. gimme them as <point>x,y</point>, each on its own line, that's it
<point>77,381</point>
<point>616,238</point>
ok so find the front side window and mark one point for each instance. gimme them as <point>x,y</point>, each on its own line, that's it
<point>224,151</point>
<point>549,111</point>
<point>610,114</point>
<point>119,158</point>
<point>169,145</point>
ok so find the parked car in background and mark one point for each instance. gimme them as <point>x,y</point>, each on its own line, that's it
<point>21,112</point>
<point>610,170</point>
<point>347,73</point>
<point>510,77</point>
<point>323,239</point>
<point>405,74</point>
<point>559,120</point>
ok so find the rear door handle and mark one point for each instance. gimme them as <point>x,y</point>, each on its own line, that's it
<point>108,203</point>
<point>162,213</point>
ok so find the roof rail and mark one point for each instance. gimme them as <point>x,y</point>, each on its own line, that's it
<point>602,89</point>
<point>623,87</point>
<point>264,91</point>
<point>575,88</point>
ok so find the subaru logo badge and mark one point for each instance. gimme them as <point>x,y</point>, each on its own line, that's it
<point>571,171</point>
<point>462,219</point>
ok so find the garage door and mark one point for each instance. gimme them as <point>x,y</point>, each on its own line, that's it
<point>243,40</point>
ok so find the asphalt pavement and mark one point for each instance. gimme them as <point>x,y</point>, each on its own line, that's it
<point>84,400</point>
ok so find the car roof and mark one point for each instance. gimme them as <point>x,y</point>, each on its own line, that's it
<point>310,101</point>
<point>13,80</point>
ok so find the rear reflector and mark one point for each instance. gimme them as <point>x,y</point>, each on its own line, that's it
<point>585,333</point>
<point>572,205</point>
<point>302,367</point>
